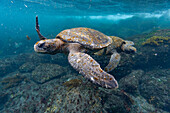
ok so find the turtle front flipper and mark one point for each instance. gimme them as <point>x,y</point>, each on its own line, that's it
<point>88,67</point>
<point>38,30</point>
<point>114,61</point>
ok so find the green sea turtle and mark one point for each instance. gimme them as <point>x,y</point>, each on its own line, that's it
<point>76,42</point>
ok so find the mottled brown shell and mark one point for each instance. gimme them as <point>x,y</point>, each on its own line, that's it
<point>88,37</point>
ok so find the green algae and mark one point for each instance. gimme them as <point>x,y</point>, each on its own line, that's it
<point>72,83</point>
<point>156,41</point>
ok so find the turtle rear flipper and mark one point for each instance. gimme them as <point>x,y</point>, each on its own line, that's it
<point>88,67</point>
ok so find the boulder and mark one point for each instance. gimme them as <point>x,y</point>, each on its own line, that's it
<point>45,72</point>
<point>154,86</point>
<point>130,83</point>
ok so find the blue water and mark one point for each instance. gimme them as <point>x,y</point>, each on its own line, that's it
<point>112,17</point>
<point>134,20</point>
<point>17,17</point>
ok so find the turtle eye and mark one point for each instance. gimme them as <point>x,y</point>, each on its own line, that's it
<point>48,46</point>
<point>124,43</point>
<point>41,45</point>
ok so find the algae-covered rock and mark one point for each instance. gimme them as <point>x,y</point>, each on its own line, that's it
<point>161,32</point>
<point>28,97</point>
<point>27,67</point>
<point>142,106</point>
<point>6,67</point>
<point>10,64</point>
<point>155,88</point>
<point>12,81</point>
<point>157,40</point>
<point>81,99</point>
<point>87,98</point>
<point>150,56</point>
<point>116,101</point>
<point>45,72</point>
<point>72,83</point>
<point>75,95</point>
<point>130,83</point>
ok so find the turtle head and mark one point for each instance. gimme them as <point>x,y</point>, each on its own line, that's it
<point>48,46</point>
<point>127,46</point>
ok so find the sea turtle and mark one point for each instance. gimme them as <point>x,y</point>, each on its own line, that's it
<point>76,42</point>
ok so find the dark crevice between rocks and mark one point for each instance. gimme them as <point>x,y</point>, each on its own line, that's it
<point>3,99</point>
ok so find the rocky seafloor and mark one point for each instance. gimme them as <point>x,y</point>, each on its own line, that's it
<point>36,83</point>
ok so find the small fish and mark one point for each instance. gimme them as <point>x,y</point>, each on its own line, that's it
<point>28,38</point>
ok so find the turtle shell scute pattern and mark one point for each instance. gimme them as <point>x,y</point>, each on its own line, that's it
<point>88,37</point>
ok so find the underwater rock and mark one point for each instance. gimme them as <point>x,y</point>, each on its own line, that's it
<point>6,67</point>
<point>116,101</point>
<point>45,72</point>
<point>40,98</point>
<point>155,88</point>
<point>28,97</point>
<point>140,38</point>
<point>73,83</point>
<point>25,62</point>
<point>12,81</point>
<point>77,100</point>
<point>21,59</point>
<point>130,83</point>
<point>142,106</point>
<point>74,95</point>
<point>39,58</point>
<point>162,32</point>
<point>149,57</point>
<point>27,67</point>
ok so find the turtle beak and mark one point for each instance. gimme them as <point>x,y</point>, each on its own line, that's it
<point>39,46</point>
<point>132,49</point>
